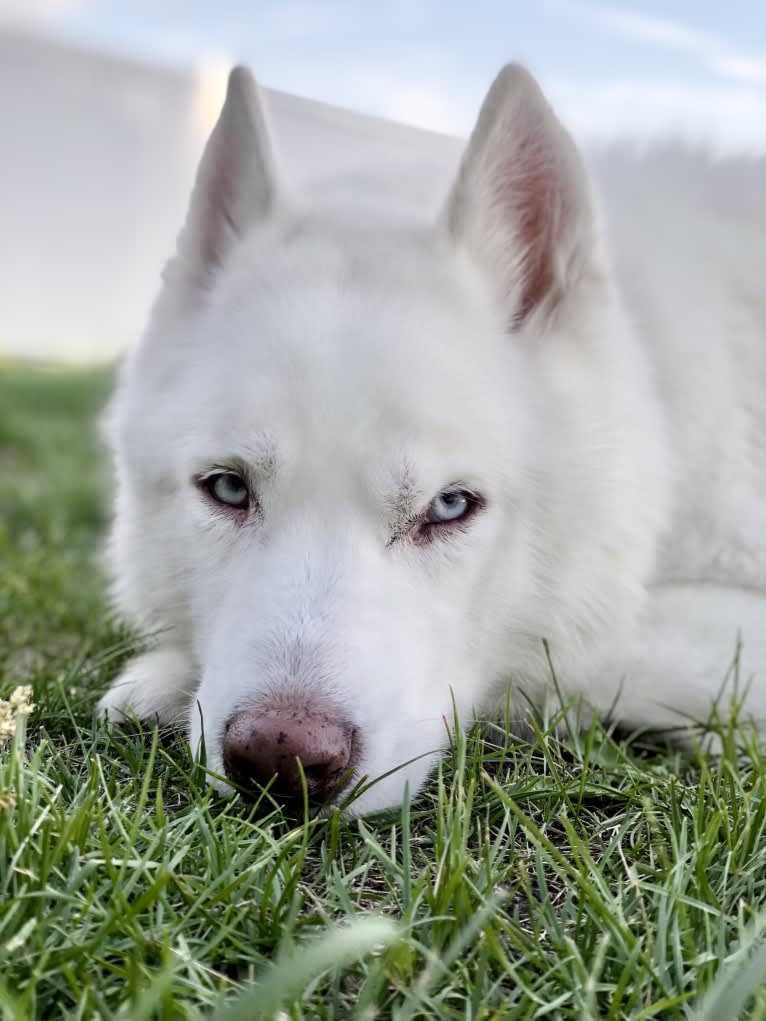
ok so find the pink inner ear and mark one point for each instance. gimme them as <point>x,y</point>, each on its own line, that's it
<point>526,194</point>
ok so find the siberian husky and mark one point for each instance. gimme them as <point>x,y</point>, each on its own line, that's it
<point>373,465</point>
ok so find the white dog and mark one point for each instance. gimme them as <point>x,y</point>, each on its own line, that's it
<point>372,466</point>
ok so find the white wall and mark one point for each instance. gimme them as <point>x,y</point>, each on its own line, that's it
<point>97,156</point>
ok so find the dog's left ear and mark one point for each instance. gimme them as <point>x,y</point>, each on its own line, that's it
<point>521,202</point>
<point>235,186</point>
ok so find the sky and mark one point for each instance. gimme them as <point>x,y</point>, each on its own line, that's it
<point>642,69</point>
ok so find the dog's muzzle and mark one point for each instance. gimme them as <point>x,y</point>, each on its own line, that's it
<point>289,746</point>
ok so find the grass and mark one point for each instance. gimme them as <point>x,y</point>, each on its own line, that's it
<point>587,878</point>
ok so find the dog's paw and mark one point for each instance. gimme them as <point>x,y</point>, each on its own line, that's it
<point>157,686</point>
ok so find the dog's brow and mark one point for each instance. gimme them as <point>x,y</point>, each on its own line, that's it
<point>407,494</point>
<point>261,456</point>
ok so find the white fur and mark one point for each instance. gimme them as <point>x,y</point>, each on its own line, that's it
<point>616,431</point>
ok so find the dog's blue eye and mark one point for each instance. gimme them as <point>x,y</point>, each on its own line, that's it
<point>229,489</point>
<point>452,507</point>
<point>448,506</point>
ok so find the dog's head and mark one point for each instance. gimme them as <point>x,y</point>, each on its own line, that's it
<point>372,461</point>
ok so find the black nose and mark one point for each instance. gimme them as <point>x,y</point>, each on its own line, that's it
<point>274,745</point>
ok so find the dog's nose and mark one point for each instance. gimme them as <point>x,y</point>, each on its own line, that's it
<point>261,746</point>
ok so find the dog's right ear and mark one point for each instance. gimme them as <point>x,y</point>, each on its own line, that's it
<point>235,186</point>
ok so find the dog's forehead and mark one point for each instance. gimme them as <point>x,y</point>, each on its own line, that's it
<point>336,301</point>
<point>365,341</point>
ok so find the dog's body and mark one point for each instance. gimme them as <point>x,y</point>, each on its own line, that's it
<point>368,463</point>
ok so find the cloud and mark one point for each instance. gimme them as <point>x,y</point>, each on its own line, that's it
<point>741,68</point>
<point>713,52</point>
<point>728,117</point>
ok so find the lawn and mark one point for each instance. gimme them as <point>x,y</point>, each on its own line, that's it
<point>580,877</point>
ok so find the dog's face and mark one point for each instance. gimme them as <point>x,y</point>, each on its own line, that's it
<point>352,459</point>
<point>340,470</point>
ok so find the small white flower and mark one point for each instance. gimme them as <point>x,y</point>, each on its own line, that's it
<point>21,700</point>
<point>7,721</point>
<point>19,704</point>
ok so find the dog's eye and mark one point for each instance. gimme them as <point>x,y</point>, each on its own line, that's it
<point>447,512</point>
<point>448,506</point>
<point>227,488</point>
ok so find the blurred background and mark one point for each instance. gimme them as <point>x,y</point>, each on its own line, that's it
<point>105,106</point>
